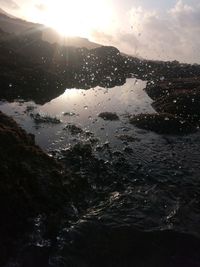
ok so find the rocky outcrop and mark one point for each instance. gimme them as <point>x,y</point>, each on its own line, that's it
<point>33,69</point>
<point>31,185</point>
<point>182,103</point>
<point>162,123</point>
<point>109,116</point>
<point>168,87</point>
<point>175,99</point>
<point>40,71</point>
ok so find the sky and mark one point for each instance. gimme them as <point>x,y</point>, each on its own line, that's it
<point>162,30</point>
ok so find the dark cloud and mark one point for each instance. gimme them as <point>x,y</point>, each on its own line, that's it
<point>9,4</point>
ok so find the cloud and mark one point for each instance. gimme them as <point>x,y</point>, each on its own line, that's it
<point>9,4</point>
<point>41,7</point>
<point>185,15</point>
<point>173,34</point>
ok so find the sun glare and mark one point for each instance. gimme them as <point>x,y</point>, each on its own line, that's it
<point>77,17</point>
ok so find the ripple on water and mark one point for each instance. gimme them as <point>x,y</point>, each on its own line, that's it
<point>152,183</point>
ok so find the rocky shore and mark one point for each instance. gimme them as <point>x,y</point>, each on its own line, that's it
<point>36,203</point>
<point>31,186</point>
<point>44,202</point>
<point>47,69</point>
<point>177,103</point>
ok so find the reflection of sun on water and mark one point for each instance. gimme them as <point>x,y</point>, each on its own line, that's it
<point>77,17</point>
<point>70,94</point>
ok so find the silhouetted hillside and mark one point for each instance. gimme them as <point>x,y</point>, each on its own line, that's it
<point>38,70</point>
<point>14,25</point>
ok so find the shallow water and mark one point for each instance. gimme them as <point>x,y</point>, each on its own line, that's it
<point>159,187</point>
<point>81,107</point>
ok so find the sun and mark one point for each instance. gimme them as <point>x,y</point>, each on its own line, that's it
<point>77,17</point>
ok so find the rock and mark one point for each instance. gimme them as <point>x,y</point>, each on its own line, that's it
<point>128,150</point>
<point>163,123</point>
<point>169,86</point>
<point>73,129</point>
<point>82,149</point>
<point>109,116</point>
<point>31,184</point>
<point>127,138</point>
<point>39,118</point>
<point>182,103</point>
<point>69,113</point>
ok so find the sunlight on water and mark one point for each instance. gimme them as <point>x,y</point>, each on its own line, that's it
<point>81,108</point>
<point>151,166</point>
<point>127,98</point>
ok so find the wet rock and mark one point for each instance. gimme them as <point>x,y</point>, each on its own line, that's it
<point>117,153</point>
<point>163,123</point>
<point>42,118</point>
<point>70,113</point>
<point>170,86</point>
<point>82,149</point>
<point>182,103</point>
<point>109,116</point>
<point>31,183</point>
<point>127,138</point>
<point>178,97</point>
<point>30,108</point>
<point>42,68</point>
<point>88,134</point>
<point>103,147</point>
<point>73,129</point>
<point>94,140</point>
<point>128,150</point>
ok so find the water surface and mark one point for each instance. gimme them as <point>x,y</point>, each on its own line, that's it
<point>159,173</point>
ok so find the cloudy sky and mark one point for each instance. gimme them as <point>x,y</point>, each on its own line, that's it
<point>164,29</point>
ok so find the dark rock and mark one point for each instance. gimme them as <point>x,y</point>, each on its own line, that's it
<point>39,118</point>
<point>31,184</point>
<point>69,114</point>
<point>109,116</point>
<point>182,103</point>
<point>170,86</point>
<point>163,123</point>
<point>128,150</point>
<point>48,69</point>
<point>73,129</point>
<point>82,149</point>
<point>178,97</point>
<point>127,138</point>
